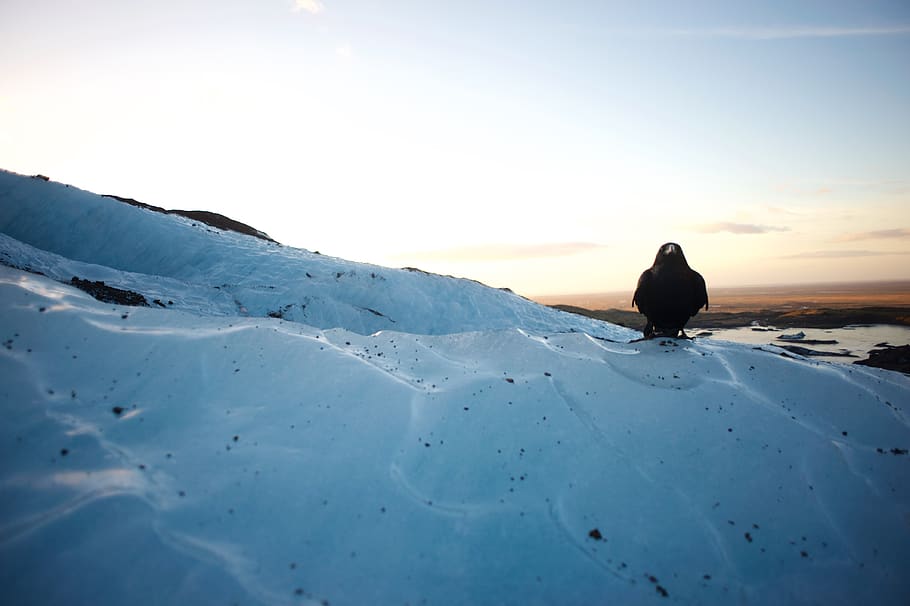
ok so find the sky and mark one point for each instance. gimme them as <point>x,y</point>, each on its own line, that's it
<point>549,147</point>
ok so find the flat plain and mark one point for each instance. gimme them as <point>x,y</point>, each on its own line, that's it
<point>829,305</point>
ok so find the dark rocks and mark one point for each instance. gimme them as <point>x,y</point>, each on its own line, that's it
<point>805,351</point>
<point>895,451</point>
<point>203,216</point>
<point>889,357</point>
<point>109,294</point>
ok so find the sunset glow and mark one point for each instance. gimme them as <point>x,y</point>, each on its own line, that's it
<point>546,147</point>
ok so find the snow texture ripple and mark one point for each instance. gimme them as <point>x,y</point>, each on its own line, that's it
<point>198,453</point>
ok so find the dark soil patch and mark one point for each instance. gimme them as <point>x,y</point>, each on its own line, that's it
<point>109,294</point>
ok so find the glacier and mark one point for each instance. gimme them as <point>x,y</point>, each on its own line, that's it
<point>285,427</point>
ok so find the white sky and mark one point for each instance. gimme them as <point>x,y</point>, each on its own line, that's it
<point>548,147</point>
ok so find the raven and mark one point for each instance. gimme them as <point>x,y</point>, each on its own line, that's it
<point>669,293</point>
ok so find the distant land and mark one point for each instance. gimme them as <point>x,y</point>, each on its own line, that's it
<point>828,305</point>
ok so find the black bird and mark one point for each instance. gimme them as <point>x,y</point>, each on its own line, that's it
<point>669,293</point>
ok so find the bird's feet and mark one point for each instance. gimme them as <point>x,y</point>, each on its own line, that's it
<point>665,333</point>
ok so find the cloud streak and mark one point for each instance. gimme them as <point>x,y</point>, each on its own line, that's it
<point>840,254</point>
<point>314,7</point>
<point>508,252</point>
<point>787,32</point>
<point>881,234</point>
<point>738,228</point>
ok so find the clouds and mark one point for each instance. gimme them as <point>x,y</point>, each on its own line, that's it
<point>833,254</point>
<point>738,228</point>
<point>880,234</point>
<point>836,254</point>
<point>508,252</point>
<point>787,32</point>
<point>891,235</point>
<point>314,7</point>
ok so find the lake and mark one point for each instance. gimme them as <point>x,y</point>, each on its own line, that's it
<point>857,340</point>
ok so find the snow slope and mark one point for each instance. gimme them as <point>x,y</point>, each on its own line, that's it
<point>63,231</point>
<point>205,453</point>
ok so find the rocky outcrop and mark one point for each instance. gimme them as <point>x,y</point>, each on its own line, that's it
<point>890,357</point>
<point>203,216</point>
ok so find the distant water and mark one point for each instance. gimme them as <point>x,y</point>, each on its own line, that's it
<point>857,340</point>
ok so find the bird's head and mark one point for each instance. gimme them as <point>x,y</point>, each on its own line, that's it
<point>670,254</point>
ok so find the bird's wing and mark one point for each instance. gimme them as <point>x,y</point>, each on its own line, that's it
<point>642,296</point>
<point>699,293</point>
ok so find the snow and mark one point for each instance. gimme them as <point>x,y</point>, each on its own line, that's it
<point>466,453</point>
<point>62,231</point>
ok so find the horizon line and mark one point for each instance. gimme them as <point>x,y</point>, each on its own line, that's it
<point>901,281</point>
